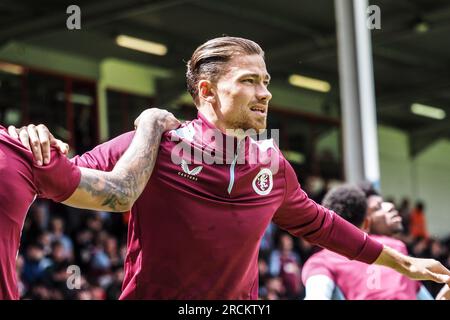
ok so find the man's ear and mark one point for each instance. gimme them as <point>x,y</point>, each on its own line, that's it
<point>206,91</point>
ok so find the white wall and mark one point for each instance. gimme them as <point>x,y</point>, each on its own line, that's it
<point>395,164</point>
<point>431,183</point>
<point>426,177</point>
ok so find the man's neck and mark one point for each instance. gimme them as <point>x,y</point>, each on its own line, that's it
<point>211,116</point>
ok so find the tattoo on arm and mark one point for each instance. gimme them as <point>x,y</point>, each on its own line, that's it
<point>117,190</point>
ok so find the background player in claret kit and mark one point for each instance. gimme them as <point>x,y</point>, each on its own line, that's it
<point>62,181</point>
<point>217,216</point>
<point>327,275</point>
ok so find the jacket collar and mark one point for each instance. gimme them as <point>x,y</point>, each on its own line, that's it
<point>217,143</point>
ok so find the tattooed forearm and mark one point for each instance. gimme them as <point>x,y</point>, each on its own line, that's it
<point>103,190</point>
<point>135,167</point>
<point>117,190</point>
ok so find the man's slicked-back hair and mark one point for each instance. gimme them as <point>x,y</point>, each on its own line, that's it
<point>208,60</point>
<point>348,201</point>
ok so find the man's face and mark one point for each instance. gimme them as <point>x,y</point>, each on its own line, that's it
<point>242,94</point>
<point>385,219</point>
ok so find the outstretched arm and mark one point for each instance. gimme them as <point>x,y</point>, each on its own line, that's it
<point>414,268</point>
<point>118,190</point>
<point>301,216</point>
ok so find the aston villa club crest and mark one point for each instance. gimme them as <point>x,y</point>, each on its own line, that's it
<point>263,182</point>
<point>189,174</point>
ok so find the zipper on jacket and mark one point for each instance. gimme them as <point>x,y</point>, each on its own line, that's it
<point>232,167</point>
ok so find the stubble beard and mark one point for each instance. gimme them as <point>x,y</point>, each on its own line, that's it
<point>244,122</point>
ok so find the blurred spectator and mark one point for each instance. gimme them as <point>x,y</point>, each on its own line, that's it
<point>115,287</point>
<point>39,292</point>
<point>35,264</point>
<point>84,294</point>
<point>112,251</point>
<point>418,225</point>
<point>421,248</point>
<point>98,293</point>
<point>316,188</point>
<point>438,251</point>
<point>275,289</point>
<point>56,273</point>
<point>83,247</point>
<point>57,234</point>
<point>56,279</point>
<point>36,222</point>
<point>100,262</point>
<point>267,241</point>
<point>95,223</point>
<point>306,249</point>
<point>404,210</point>
<point>285,263</point>
<point>263,276</point>
<point>20,262</point>
<point>45,240</point>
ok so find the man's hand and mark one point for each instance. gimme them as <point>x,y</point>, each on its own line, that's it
<point>38,140</point>
<point>444,294</point>
<point>414,268</point>
<point>428,269</point>
<point>163,117</point>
